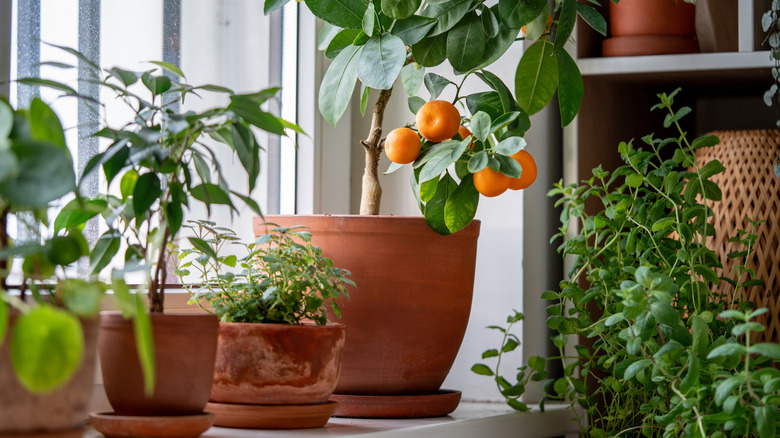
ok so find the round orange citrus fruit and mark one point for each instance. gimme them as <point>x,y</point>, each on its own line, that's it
<point>529,171</point>
<point>438,120</point>
<point>490,183</point>
<point>402,145</point>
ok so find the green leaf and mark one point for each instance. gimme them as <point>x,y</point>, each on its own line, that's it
<point>431,51</point>
<point>64,250</point>
<point>169,67</point>
<point>436,165</point>
<point>368,19</point>
<point>466,43</point>
<point>509,166</point>
<point>146,191</point>
<point>593,18</point>
<point>536,78</point>
<point>46,348</point>
<point>766,420</point>
<point>82,297</point>
<point>566,19</point>
<point>105,249</point>
<point>434,209</point>
<point>3,320</point>
<point>326,35</point>
<point>726,350</point>
<point>482,369</point>
<point>365,93</point>
<point>400,9</point>
<point>381,61</point>
<point>538,26</point>
<point>413,29</point>
<point>489,23</point>
<point>446,13</point>
<point>156,84</point>
<point>36,82</point>
<point>489,102</point>
<point>412,77</point>
<point>478,162</point>
<point>705,141</point>
<point>510,145</point>
<point>338,84</point>
<point>415,103</point>
<point>210,194</point>
<point>343,13</point>
<point>663,224</point>
<point>490,353</point>
<point>144,343</point>
<point>766,349</point>
<point>45,125</point>
<point>517,13</point>
<point>570,87</point>
<point>251,112</point>
<point>507,100</point>
<point>634,180</point>
<point>77,212</point>
<point>480,125</point>
<point>273,5</point>
<point>725,387</point>
<point>340,41</point>
<point>636,367</point>
<point>497,46</point>
<point>461,206</point>
<point>44,173</point>
<point>202,246</point>
<point>713,167</point>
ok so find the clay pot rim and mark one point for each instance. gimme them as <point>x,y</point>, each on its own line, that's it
<point>307,325</point>
<point>114,318</point>
<point>374,224</point>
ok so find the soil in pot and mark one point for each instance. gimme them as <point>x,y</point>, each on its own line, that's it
<point>58,411</point>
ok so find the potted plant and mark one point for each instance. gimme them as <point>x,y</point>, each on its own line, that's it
<point>378,42</point>
<point>157,164</point>
<point>278,358</point>
<point>48,312</point>
<point>670,354</point>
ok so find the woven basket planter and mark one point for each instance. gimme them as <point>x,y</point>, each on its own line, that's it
<point>750,189</point>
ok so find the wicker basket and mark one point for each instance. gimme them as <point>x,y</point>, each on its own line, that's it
<point>750,189</point>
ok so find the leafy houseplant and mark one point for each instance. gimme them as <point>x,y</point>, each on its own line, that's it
<point>275,346</point>
<point>377,42</point>
<point>669,356</point>
<point>162,161</point>
<point>47,359</point>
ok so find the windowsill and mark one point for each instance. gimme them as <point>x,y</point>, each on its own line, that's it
<point>471,419</point>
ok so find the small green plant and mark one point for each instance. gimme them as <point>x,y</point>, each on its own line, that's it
<point>282,279</point>
<point>672,353</point>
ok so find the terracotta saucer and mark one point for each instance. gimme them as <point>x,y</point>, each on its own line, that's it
<point>183,426</point>
<point>272,416</point>
<point>397,406</point>
<point>644,45</point>
<point>70,433</point>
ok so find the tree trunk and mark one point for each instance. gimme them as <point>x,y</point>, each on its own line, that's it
<point>157,285</point>
<point>371,191</point>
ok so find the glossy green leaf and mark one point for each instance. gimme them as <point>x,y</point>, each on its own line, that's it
<point>489,102</point>
<point>766,420</point>
<point>489,23</point>
<point>447,13</point>
<point>342,40</point>
<point>507,100</point>
<point>144,342</point>
<point>413,29</point>
<point>434,209</point>
<point>480,125</point>
<point>77,212</point>
<point>496,47</point>
<point>430,51</point>
<point>170,68</point>
<point>428,189</point>
<point>536,78</point>
<point>248,152</point>
<point>46,348</point>
<point>105,249</point>
<point>381,61</point>
<point>365,93</point>
<point>369,18</point>
<point>538,27</point>
<point>39,181</point>
<point>478,162</point>
<point>415,103</point>
<point>326,35</point>
<point>570,87</point>
<point>156,84</point>
<point>482,370</point>
<point>466,43</point>
<point>400,9</point>
<point>726,350</point>
<point>6,121</point>
<point>45,124</point>
<point>127,183</point>
<point>251,112</point>
<point>146,191</point>
<point>566,19</point>
<point>593,18</point>
<point>517,13</point>
<point>64,250</point>
<point>344,13</point>
<point>273,5</point>
<point>338,84</point>
<point>435,84</point>
<point>509,166</point>
<point>461,205</point>
<point>82,297</point>
<point>766,349</point>
<point>436,165</point>
<point>211,194</point>
<point>412,77</point>
<point>510,146</point>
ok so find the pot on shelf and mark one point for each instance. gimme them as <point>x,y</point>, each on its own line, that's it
<point>651,27</point>
<point>63,409</point>
<point>185,348</point>
<point>408,314</point>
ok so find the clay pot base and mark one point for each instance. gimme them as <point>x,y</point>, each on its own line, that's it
<point>272,416</point>
<point>70,433</point>
<point>643,45</point>
<point>397,406</point>
<point>183,426</point>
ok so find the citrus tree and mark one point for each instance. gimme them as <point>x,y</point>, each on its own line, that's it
<point>376,42</point>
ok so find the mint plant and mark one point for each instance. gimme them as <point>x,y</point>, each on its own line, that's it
<point>281,279</point>
<point>669,356</point>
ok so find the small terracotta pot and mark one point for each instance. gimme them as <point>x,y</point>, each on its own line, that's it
<point>652,17</point>
<point>407,317</point>
<point>271,364</point>
<point>185,348</point>
<point>62,409</point>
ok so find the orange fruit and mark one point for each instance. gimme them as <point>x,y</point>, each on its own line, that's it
<point>529,171</point>
<point>491,183</point>
<point>402,145</point>
<point>438,120</point>
<point>464,132</point>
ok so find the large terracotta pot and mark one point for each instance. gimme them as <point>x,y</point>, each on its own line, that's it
<point>270,364</point>
<point>62,409</point>
<point>407,317</point>
<point>650,27</point>
<point>185,347</point>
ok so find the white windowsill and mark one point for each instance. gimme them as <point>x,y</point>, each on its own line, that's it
<point>470,420</point>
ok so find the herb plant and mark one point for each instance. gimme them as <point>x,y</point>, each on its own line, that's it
<point>669,357</point>
<point>282,278</point>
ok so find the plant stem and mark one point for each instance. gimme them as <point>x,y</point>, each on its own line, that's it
<point>4,239</point>
<point>373,145</point>
<point>157,286</point>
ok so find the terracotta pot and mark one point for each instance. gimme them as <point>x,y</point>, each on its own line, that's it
<point>60,410</point>
<point>185,347</point>
<point>271,364</point>
<point>650,27</point>
<point>407,317</point>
